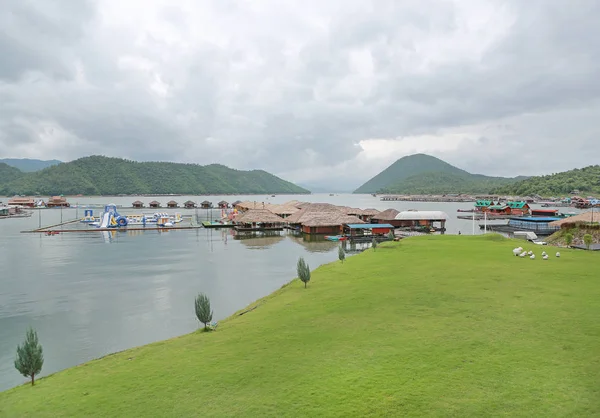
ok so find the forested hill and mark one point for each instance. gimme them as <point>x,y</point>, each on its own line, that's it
<point>98,175</point>
<point>8,173</point>
<point>424,174</point>
<point>28,165</point>
<point>586,180</point>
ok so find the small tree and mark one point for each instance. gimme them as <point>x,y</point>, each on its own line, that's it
<point>30,357</point>
<point>587,240</point>
<point>391,235</point>
<point>569,239</point>
<point>303,271</point>
<point>341,253</point>
<point>374,244</point>
<point>203,311</point>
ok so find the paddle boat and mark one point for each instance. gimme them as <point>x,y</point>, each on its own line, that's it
<point>336,237</point>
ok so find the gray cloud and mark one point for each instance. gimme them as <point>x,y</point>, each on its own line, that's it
<point>292,87</point>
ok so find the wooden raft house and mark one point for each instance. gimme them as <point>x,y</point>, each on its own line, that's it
<point>57,202</point>
<point>422,219</point>
<point>172,204</point>
<point>154,204</point>
<point>189,204</point>
<point>206,205</point>
<point>21,201</point>
<point>258,220</point>
<point>138,204</point>
<point>388,216</point>
<point>223,204</point>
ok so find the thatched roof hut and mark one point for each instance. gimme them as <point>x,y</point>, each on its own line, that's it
<point>154,204</point>
<point>206,205</point>
<point>256,216</point>
<point>237,202</point>
<point>223,204</point>
<point>172,204</point>
<point>309,211</point>
<point>370,212</point>
<point>331,219</point>
<point>585,217</point>
<point>138,204</point>
<point>189,204</point>
<point>386,215</point>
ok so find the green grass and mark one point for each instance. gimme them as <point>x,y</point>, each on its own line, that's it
<point>429,326</point>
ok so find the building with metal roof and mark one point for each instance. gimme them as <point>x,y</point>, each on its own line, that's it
<point>423,219</point>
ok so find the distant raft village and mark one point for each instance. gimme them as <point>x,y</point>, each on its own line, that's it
<point>332,222</point>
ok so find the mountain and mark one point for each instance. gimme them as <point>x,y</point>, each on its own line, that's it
<point>99,175</point>
<point>28,165</point>
<point>8,173</point>
<point>586,180</point>
<point>424,174</point>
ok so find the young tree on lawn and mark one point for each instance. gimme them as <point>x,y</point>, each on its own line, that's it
<point>587,240</point>
<point>203,312</point>
<point>303,271</point>
<point>30,357</point>
<point>374,244</point>
<point>341,254</point>
<point>391,235</point>
<point>569,239</point>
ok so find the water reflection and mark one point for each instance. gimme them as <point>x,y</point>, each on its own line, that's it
<point>314,244</point>
<point>260,240</point>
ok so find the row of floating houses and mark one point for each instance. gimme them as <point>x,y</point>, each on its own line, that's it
<point>329,219</point>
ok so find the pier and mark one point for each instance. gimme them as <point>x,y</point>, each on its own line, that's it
<point>427,198</point>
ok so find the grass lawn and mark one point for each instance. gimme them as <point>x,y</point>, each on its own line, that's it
<point>430,326</point>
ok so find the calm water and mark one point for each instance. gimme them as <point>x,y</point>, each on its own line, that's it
<point>90,294</point>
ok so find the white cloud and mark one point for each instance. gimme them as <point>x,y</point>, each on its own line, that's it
<point>313,91</point>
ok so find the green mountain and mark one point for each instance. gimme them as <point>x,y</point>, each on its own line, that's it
<point>98,175</point>
<point>586,180</point>
<point>8,173</point>
<point>424,174</point>
<point>28,165</point>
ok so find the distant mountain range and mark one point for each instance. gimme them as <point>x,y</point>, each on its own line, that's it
<point>99,175</point>
<point>424,174</point>
<point>27,165</point>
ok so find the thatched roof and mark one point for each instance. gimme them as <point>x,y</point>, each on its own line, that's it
<point>154,202</point>
<point>387,215</point>
<point>258,216</point>
<point>309,211</point>
<point>138,202</point>
<point>284,209</point>
<point>370,212</point>
<point>237,202</point>
<point>222,202</point>
<point>248,204</point>
<point>171,202</point>
<point>582,217</point>
<point>189,202</point>
<point>331,219</point>
<point>206,202</point>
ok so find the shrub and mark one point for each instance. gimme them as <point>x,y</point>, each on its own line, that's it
<point>303,271</point>
<point>30,357</point>
<point>203,311</point>
<point>341,253</point>
<point>587,240</point>
<point>568,239</point>
<point>374,244</point>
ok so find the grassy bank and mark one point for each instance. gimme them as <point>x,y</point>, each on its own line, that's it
<point>429,326</point>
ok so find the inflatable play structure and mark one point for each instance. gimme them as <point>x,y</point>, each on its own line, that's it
<point>111,218</point>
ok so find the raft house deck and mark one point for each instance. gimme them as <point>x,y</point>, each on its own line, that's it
<point>538,224</point>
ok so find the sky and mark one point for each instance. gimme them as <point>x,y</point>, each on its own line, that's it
<point>322,93</point>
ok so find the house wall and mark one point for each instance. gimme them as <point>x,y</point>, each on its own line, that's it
<point>321,229</point>
<point>381,230</point>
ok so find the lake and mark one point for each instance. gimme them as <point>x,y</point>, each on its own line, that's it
<point>91,294</point>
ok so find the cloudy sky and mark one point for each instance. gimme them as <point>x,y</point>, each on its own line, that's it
<point>318,92</point>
